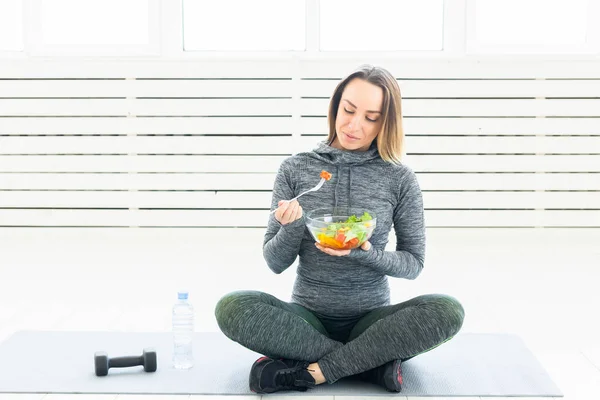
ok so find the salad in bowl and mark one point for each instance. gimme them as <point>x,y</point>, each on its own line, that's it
<point>341,228</point>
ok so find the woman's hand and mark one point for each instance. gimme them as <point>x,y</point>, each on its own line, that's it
<point>287,212</point>
<point>366,246</point>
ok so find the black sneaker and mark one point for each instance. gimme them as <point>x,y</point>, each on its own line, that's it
<point>268,375</point>
<point>388,375</point>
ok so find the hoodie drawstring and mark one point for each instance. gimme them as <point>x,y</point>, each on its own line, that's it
<point>335,192</point>
<point>350,187</point>
<point>341,158</point>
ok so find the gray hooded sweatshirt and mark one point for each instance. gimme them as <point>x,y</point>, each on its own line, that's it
<point>347,286</point>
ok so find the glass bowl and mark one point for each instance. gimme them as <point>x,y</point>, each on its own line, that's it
<point>341,228</point>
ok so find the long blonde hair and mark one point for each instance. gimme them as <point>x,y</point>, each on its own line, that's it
<point>390,139</point>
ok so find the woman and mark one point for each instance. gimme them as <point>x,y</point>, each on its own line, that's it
<point>340,322</point>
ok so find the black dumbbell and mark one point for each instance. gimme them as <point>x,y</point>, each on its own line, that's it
<point>103,363</point>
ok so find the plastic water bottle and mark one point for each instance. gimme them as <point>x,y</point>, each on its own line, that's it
<point>183,332</point>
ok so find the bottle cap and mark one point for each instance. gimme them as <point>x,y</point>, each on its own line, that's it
<point>182,295</point>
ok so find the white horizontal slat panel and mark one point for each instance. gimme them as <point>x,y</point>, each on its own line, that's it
<point>66,199</point>
<point>203,92</point>
<point>504,144</point>
<point>217,164</point>
<point>63,107</point>
<point>508,181</point>
<point>214,145</point>
<point>471,88</point>
<point>126,199</point>
<point>67,144</point>
<point>436,144</point>
<point>232,218</point>
<point>53,217</point>
<point>238,181</point>
<point>176,69</point>
<point>67,88</point>
<point>244,164</point>
<point>213,88</point>
<point>479,126</point>
<point>569,144</point>
<point>211,200</point>
<point>284,125</point>
<point>478,107</point>
<point>503,163</point>
<point>473,68</point>
<point>109,181</point>
<point>259,218</point>
<point>124,218</point>
<point>209,107</point>
<point>262,200</point>
<point>434,218</point>
<point>154,125</point>
<point>517,218</point>
<point>145,145</point>
<point>68,163</point>
<point>200,181</point>
<point>511,200</point>
<point>286,145</point>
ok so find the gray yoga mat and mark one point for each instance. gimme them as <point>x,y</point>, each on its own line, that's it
<point>63,362</point>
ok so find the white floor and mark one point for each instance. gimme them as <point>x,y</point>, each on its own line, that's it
<point>539,284</point>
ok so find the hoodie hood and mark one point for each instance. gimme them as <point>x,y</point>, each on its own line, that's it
<point>334,156</point>
<point>344,161</point>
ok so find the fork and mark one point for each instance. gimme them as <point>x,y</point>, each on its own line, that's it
<point>321,182</point>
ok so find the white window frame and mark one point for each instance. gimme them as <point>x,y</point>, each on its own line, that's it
<point>34,45</point>
<point>454,31</point>
<point>283,48</point>
<point>166,40</point>
<point>590,48</point>
<point>16,53</point>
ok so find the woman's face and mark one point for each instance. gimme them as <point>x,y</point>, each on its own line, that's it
<point>359,117</point>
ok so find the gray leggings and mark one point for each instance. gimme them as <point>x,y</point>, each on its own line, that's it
<point>342,346</point>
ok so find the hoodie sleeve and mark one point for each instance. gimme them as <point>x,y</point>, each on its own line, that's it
<point>408,259</point>
<point>282,242</point>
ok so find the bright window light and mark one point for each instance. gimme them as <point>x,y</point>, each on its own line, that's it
<point>244,25</point>
<point>531,22</point>
<point>95,22</point>
<point>11,25</point>
<point>381,25</point>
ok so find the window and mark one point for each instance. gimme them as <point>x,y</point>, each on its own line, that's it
<point>381,25</point>
<point>11,25</point>
<point>243,25</point>
<point>314,29</point>
<point>531,26</point>
<point>93,27</point>
<point>94,22</point>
